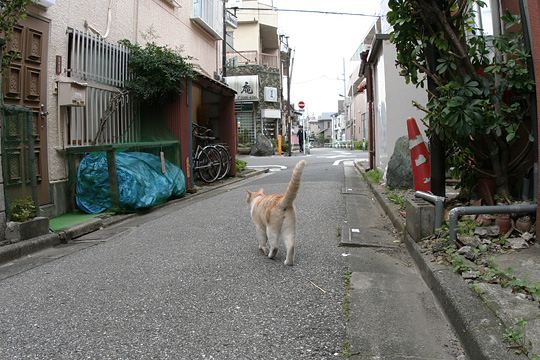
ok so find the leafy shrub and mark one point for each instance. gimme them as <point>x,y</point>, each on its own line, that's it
<point>157,72</point>
<point>23,210</point>
<point>240,165</point>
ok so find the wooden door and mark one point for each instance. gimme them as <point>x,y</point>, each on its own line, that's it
<point>25,84</point>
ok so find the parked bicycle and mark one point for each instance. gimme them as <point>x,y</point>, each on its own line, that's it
<point>207,159</point>
<point>204,135</point>
<point>226,159</point>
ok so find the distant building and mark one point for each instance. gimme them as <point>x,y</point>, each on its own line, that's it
<point>324,126</point>
<point>254,71</point>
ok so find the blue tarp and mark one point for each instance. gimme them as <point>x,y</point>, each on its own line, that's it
<point>141,183</point>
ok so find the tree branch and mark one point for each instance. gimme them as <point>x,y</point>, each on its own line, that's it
<point>450,32</point>
<point>428,72</point>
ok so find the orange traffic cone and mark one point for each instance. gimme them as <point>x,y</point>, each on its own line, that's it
<point>419,158</point>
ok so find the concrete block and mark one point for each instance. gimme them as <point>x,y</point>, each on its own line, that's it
<point>17,231</point>
<point>420,218</point>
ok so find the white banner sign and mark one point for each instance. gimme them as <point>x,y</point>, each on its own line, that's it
<point>271,113</point>
<point>246,86</point>
<point>270,94</point>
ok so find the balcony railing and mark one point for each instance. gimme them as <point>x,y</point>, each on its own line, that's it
<point>238,58</point>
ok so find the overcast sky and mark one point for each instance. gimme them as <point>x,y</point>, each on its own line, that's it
<point>320,43</point>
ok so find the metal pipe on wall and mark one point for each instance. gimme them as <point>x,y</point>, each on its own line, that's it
<point>455,213</point>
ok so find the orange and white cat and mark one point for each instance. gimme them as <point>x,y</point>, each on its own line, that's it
<point>275,218</point>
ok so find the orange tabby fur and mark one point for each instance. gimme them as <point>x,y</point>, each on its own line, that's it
<point>274,216</point>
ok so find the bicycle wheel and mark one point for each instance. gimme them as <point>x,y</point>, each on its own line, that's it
<point>208,164</point>
<point>225,160</point>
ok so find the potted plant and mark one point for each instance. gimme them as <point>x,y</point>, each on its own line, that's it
<point>24,224</point>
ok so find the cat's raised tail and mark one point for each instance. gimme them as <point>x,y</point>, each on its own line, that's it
<point>294,185</point>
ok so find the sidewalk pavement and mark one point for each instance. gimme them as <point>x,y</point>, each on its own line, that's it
<point>26,247</point>
<point>480,318</point>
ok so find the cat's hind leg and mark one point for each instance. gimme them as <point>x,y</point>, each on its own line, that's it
<point>261,237</point>
<point>288,236</point>
<point>273,237</point>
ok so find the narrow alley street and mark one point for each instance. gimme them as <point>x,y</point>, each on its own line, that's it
<point>186,281</point>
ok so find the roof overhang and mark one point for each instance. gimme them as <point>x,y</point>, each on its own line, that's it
<point>376,47</point>
<point>213,85</point>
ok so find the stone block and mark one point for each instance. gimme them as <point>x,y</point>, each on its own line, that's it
<point>17,231</point>
<point>399,171</point>
<point>420,218</point>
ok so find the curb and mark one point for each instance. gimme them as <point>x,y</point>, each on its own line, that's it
<point>25,247</point>
<point>476,326</point>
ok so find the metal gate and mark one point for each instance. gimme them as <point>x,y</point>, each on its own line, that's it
<point>245,118</point>
<point>18,161</point>
<point>111,115</point>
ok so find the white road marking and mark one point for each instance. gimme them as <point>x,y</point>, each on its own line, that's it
<point>269,167</point>
<point>348,161</point>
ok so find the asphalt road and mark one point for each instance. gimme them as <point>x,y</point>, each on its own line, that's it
<point>187,281</point>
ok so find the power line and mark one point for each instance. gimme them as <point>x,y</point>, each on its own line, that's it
<point>308,11</point>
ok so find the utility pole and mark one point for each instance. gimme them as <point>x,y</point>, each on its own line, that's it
<point>289,76</point>
<point>345,110</point>
<point>224,43</point>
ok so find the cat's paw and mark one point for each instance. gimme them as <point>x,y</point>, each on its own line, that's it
<point>272,253</point>
<point>264,250</point>
<point>288,262</point>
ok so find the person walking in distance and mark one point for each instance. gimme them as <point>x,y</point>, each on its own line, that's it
<point>300,135</point>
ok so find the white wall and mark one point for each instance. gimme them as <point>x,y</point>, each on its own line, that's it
<point>381,124</point>
<point>393,105</point>
<point>264,17</point>
<point>130,19</point>
<point>246,37</point>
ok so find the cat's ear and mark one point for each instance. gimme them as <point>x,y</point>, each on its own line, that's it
<point>248,196</point>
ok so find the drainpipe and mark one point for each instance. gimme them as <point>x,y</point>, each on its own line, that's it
<point>371,117</point>
<point>190,120</point>
<point>438,201</point>
<point>455,213</point>
<point>107,30</point>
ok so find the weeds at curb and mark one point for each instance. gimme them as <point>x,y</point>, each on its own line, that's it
<point>347,295</point>
<point>374,176</point>
<point>346,347</point>
<point>397,198</point>
<point>517,340</point>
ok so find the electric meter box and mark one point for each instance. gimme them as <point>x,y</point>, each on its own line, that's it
<point>71,93</point>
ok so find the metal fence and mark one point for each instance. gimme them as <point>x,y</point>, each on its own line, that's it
<point>93,58</point>
<point>110,115</point>
<point>238,58</point>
